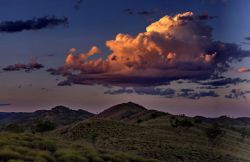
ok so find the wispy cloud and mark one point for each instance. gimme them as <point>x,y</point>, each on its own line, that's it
<point>163,92</point>
<point>4,104</point>
<point>32,24</point>
<point>237,94</point>
<point>32,65</point>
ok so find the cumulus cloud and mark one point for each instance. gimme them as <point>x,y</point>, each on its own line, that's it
<point>33,65</point>
<point>32,24</point>
<point>172,48</point>
<point>243,70</point>
<point>237,94</point>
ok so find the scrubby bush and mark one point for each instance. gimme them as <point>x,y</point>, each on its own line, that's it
<point>214,132</point>
<point>43,126</point>
<point>175,122</point>
<point>14,128</point>
<point>198,121</point>
<point>244,133</point>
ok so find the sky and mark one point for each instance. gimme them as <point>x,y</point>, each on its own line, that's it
<point>178,56</point>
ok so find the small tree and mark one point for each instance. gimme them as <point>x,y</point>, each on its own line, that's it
<point>43,126</point>
<point>214,133</point>
<point>14,128</point>
<point>185,123</point>
<point>243,133</point>
<point>175,122</point>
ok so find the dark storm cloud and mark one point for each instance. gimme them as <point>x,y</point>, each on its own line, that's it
<point>191,94</point>
<point>33,65</point>
<point>237,94</point>
<point>33,24</point>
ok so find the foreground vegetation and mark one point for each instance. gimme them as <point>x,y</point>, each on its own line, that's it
<point>27,147</point>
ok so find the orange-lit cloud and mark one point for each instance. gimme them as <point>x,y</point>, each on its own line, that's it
<point>32,65</point>
<point>174,47</point>
<point>243,70</point>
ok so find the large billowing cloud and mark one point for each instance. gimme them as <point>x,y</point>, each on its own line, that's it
<point>174,47</point>
<point>32,24</point>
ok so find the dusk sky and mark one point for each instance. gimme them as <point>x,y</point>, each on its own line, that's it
<point>179,56</point>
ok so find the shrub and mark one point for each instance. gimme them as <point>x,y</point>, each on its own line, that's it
<point>175,122</point>
<point>139,121</point>
<point>198,121</point>
<point>244,133</point>
<point>70,156</point>
<point>214,133</point>
<point>14,128</point>
<point>43,126</point>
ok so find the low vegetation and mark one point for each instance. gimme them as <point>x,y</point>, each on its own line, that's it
<point>26,147</point>
<point>125,133</point>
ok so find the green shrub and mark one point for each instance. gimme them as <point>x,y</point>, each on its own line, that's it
<point>214,133</point>
<point>43,126</point>
<point>70,156</point>
<point>175,122</point>
<point>14,128</point>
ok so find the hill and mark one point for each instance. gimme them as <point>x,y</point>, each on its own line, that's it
<point>139,132</point>
<point>121,111</point>
<point>132,128</point>
<point>58,115</point>
<point>165,143</point>
<point>227,122</point>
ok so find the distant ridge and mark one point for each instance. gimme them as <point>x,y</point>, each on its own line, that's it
<point>59,115</point>
<point>121,111</point>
